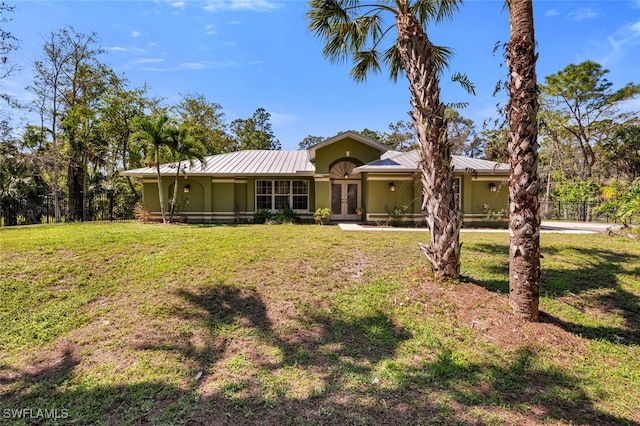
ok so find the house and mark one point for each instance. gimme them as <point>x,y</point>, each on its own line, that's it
<point>358,178</point>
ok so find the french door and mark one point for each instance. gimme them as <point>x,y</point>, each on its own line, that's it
<point>345,199</point>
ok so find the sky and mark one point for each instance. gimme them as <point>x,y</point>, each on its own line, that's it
<point>249,54</point>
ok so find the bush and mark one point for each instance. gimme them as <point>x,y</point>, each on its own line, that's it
<point>262,216</point>
<point>286,215</point>
<point>396,215</point>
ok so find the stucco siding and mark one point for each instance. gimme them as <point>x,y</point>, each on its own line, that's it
<point>326,155</point>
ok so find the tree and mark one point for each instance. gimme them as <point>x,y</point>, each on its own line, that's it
<point>623,151</point>
<point>8,44</point>
<point>587,104</point>
<point>120,108</point>
<point>310,141</point>
<point>205,121</point>
<point>462,134</point>
<point>524,217</point>
<point>371,134</point>
<point>254,132</point>
<point>155,134</point>
<point>496,144</point>
<point>185,150</point>
<point>21,183</point>
<point>355,30</point>
<point>68,82</point>
<point>401,136</point>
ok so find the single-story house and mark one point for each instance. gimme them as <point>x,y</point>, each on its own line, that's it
<point>356,177</point>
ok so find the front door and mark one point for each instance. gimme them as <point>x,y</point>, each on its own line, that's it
<point>345,199</point>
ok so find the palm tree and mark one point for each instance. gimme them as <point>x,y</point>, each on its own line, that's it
<point>524,217</point>
<point>354,29</point>
<point>184,149</point>
<point>154,133</point>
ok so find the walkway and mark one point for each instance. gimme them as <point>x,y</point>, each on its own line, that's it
<point>546,227</point>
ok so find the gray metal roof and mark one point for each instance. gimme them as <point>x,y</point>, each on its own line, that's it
<point>275,163</point>
<point>239,163</point>
<point>396,161</point>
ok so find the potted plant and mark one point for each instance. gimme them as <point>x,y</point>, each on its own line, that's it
<point>360,211</point>
<point>322,215</point>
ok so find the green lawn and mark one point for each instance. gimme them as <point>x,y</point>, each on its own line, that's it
<point>285,324</point>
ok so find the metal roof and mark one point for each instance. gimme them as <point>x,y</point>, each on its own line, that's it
<point>276,163</point>
<point>239,163</point>
<point>396,161</point>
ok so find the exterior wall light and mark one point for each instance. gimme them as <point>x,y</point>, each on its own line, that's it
<point>346,175</point>
<point>493,187</point>
<point>187,188</point>
<point>392,187</point>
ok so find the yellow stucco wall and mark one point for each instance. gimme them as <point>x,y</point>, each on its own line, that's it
<point>357,151</point>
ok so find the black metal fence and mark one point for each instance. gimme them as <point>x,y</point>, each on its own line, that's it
<point>579,211</point>
<point>106,206</point>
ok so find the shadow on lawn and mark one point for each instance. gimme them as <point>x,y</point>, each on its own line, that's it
<point>593,284</point>
<point>445,391</point>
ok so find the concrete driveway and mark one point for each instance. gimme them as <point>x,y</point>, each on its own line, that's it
<point>545,227</point>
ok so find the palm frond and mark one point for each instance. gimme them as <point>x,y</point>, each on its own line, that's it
<point>428,11</point>
<point>366,62</point>
<point>324,14</point>
<point>391,57</point>
<point>458,105</point>
<point>443,54</point>
<point>464,82</point>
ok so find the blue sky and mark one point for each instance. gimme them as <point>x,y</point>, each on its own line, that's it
<point>246,54</point>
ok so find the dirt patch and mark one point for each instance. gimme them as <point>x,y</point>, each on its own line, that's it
<point>490,315</point>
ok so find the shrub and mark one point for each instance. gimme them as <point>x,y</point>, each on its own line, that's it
<point>396,214</point>
<point>262,216</point>
<point>286,215</point>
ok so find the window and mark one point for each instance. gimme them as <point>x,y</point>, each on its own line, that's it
<point>263,194</point>
<point>281,194</point>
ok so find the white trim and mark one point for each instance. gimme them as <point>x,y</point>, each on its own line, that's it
<point>290,194</point>
<point>489,178</point>
<point>390,177</point>
<point>218,180</point>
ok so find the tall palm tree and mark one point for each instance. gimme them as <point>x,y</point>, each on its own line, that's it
<point>355,30</point>
<point>154,133</point>
<point>524,217</point>
<point>185,149</point>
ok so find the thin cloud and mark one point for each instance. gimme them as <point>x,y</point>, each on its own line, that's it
<point>193,66</point>
<point>148,60</point>
<point>619,43</point>
<point>278,118</point>
<point>126,49</point>
<point>552,12</point>
<point>210,30</point>
<point>252,5</point>
<point>178,4</point>
<point>135,34</point>
<point>582,14</point>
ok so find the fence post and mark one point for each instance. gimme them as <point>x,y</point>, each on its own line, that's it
<point>110,195</point>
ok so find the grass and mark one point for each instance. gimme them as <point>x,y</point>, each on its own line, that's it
<point>130,324</point>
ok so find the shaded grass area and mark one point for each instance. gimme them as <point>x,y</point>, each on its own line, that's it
<point>149,324</point>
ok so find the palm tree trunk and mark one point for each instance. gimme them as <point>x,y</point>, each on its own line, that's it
<point>418,56</point>
<point>160,192</point>
<point>174,199</point>
<point>524,217</point>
